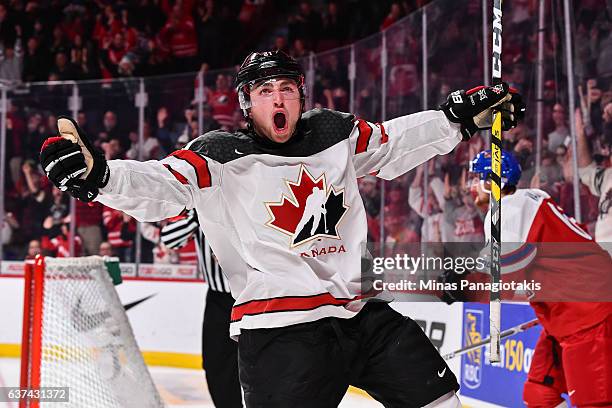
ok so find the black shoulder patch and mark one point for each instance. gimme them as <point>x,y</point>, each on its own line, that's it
<point>324,128</point>
<point>223,146</point>
<point>318,130</point>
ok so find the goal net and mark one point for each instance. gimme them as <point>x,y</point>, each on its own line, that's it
<point>76,335</point>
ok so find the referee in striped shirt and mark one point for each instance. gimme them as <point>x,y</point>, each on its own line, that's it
<point>219,352</point>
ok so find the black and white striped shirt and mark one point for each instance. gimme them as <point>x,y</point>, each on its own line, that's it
<point>176,235</point>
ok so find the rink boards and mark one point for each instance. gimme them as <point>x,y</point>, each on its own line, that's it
<point>166,314</point>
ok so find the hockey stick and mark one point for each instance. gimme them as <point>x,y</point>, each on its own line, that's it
<point>495,303</point>
<point>506,333</point>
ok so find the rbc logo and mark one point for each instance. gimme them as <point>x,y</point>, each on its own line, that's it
<point>472,361</point>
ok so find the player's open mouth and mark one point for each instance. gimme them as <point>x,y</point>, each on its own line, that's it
<point>280,122</point>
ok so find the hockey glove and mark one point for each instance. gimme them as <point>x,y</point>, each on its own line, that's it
<point>473,109</point>
<point>452,279</point>
<point>72,164</point>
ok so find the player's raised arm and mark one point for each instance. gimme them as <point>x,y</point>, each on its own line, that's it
<point>396,146</point>
<point>148,191</point>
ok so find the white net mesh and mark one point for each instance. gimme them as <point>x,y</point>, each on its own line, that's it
<point>87,342</point>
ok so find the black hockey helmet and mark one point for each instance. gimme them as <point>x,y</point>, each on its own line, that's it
<point>260,66</point>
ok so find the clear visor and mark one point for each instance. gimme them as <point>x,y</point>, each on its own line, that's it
<point>273,90</point>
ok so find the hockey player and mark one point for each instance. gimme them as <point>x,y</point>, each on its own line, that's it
<point>574,351</point>
<point>219,352</point>
<point>305,331</point>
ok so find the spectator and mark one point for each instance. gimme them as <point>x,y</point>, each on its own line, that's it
<point>58,42</point>
<point>11,65</point>
<point>105,249</point>
<point>463,222</point>
<point>35,62</point>
<point>59,246</point>
<point>602,45</point>
<point>34,249</point>
<point>550,177</point>
<point>8,34</point>
<point>11,225</point>
<point>280,43</point>
<point>56,213</point>
<point>298,50</point>
<point>107,25</point>
<point>189,133</point>
<point>112,150</point>
<point>431,230</point>
<point>110,130</point>
<point>597,178</point>
<point>63,68</point>
<point>395,13</point>
<point>208,120</point>
<point>112,55</point>
<point>404,84</point>
<point>207,28</point>
<point>561,132</point>
<point>178,38</point>
<point>560,155</point>
<point>607,122</point>
<point>33,192</point>
<point>164,133</point>
<point>83,122</point>
<point>150,149</point>
<point>524,153</point>
<point>306,25</point>
<point>15,145</point>
<point>36,133</point>
<point>121,229</point>
<point>182,141</point>
<point>398,233</point>
<point>334,28</point>
<point>223,101</point>
<point>88,225</point>
<point>368,187</point>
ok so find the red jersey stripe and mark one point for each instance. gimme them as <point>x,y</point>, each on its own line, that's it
<point>176,174</point>
<point>365,132</point>
<point>384,138</point>
<point>287,304</point>
<point>198,163</point>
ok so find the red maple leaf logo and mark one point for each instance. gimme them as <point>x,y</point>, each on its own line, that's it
<point>286,213</point>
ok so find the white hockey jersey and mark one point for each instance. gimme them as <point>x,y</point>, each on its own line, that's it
<point>285,220</point>
<point>540,242</point>
<point>599,181</point>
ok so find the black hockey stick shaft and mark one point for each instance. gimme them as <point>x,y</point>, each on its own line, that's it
<point>496,160</point>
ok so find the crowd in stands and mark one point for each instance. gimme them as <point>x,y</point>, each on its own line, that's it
<point>67,40</point>
<point>38,216</point>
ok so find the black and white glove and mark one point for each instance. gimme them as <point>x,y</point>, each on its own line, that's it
<point>71,162</point>
<point>473,109</point>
